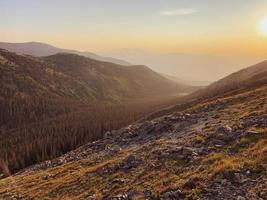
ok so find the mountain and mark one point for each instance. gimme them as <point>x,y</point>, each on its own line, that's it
<point>213,148</point>
<point>51,105</point>
<point>195,68</point>
<point>42,49</point>
<point>70,75</point>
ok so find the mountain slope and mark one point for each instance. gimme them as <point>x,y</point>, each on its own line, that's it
<point>249,77</point>
<point>42,49</point>
<point>78,77</point>
<point>53,104</point>
<point>238,80</point>
<point>215,149</point>
<point>113,81</point>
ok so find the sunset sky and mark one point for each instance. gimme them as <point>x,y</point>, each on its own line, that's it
<point>190,26</point>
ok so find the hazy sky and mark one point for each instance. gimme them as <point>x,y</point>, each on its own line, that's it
<point>191,26</point>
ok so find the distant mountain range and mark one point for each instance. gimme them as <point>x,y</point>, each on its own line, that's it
<point>42,49</point>
<point>190,69</point>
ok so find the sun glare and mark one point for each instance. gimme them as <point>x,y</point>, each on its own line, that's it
<point>263,25</point>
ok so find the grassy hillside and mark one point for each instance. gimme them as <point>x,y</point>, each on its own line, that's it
<point>213,149</point>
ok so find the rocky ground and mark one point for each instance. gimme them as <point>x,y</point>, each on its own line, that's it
<point>215,149</point>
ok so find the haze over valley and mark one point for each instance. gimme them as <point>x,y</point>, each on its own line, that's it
<point>196,69</point>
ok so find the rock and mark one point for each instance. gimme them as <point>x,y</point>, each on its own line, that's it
<point>118,181</point>
<point>175,150</point>
<point>187,115</point>
<point>45,177</point>
<point>16,197</point>
<point>108,135</point>
<point>120,197</point>
<point>172,195</point>
<point>221,136</point>
<point>133,194</point>
<point>263,194</point>
<point>224,129</point>
<point>91,197</point>
<point>148,195</point>
<point>132,134</point>
<point>217,116</point>
<point>240,198</point>
<point>115,149</point>
<point>190,184</point>
<point>240,178</point>
<point>161,126</point>
<point>111,168</point>
<point>146,127</point>
<point>258,121</point>
<point>200,168</point>
<point>130,162</point>
<point>187,151</point>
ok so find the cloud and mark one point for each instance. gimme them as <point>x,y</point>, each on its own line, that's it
<point>178,12</point>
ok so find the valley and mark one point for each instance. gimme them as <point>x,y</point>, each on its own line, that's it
<point>51,105</point>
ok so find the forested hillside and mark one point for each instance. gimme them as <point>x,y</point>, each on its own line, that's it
<point>54,104</point>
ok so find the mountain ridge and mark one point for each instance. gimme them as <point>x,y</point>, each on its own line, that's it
<point>43,49</point>
<point>242,78</point>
